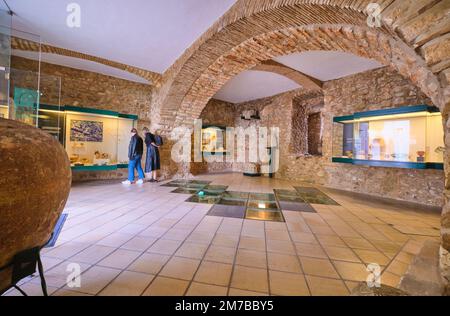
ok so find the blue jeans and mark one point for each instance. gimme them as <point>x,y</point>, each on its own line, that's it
<point>135,164</point>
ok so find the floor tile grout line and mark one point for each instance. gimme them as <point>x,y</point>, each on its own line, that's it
<point>332,261</point>
<point>111,220</point>
<point>203,257</point>
<point>235,257</point>
<point>237,247</point>
<point>346,220</point>
<point>173,254</point>
<point>160,238</point>
<point>96,243</point>
<point>393,259</point>
<point>329,259</point>
<point>267,257</point>
<point>348,246</point>
<point>119,206</point>
<point>363,237</point>
<point>298,259</point>
<point>93,265</point>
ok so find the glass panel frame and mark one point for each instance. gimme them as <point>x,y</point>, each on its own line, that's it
<point>412,139</point>
<point>91,139</point>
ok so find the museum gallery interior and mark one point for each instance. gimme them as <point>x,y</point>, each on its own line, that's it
<point>224,148</point>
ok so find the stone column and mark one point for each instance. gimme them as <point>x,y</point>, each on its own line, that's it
<point>445,219</point>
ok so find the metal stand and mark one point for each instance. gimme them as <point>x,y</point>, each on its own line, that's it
<point>41,275</point>
<point>23,265</point>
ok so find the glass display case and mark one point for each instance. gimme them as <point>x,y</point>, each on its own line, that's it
<point>213,140</point>
<point>3,111</point>
<point>51,119</point>
<point>406,137</point>
<point>94,139</point>
<point>91,138</point>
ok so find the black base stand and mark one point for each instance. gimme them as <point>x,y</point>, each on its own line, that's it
<point>252,174</point>
<point>23,265</point>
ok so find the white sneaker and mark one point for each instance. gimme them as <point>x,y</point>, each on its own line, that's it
<point>140,181</point>
<point>126,182</point>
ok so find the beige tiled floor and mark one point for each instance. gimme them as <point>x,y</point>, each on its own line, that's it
<point>147,241</point>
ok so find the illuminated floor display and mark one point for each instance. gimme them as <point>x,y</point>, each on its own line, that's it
<point>248,205</point>
<point>153,235</point>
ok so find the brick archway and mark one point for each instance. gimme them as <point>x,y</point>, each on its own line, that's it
<point>417,25</point>
<point>413,40</point>
<point>361,41</point>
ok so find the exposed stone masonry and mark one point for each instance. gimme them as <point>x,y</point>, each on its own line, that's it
<point>27,45</point>
<point>378,89</point>
<point>88,89</point>
<point>414,40</point>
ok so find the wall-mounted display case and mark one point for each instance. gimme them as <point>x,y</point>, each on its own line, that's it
<point>213,140</point>
<point>406,137</point>
<point>94,139</point>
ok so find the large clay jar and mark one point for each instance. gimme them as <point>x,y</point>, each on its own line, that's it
<point>35,179</point>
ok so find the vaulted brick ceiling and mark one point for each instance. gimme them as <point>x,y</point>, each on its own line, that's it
<point>145,34</point>
<point>306,70</point>
<point>412,40</point>
<point>249,25</point>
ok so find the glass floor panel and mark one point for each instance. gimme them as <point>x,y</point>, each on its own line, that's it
<point>235,195</point>
<point>225,201</point>
<point>206,199</point>
<point>194,185</point>
<point>199,182</point>
<point>307,190</point>
<point>208,193</point>
<point>186,183</point>
<point>285,192</point>
<point>263,205</point>
<point>185,190</point>
<point>289,198</point>
<point>217,188</point>
<point>320,200</point>
<point>262,196</point>
<point>232,211</point>
<point>296,207</point>
<point>315,196</point>
<point>172,184</point>
<point>260,215</point>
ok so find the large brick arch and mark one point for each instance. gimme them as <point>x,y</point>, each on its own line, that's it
<point>419,25</point>
<point>245,20</point>
<point>361,41</point>
<point>414,40</point>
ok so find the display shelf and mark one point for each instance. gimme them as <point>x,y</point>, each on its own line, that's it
<point>95,168</point>
<point>405,137</point>
<point>78,109</point>
<point>95,139</point>
<point>384,112</point>
<point>390,164</point>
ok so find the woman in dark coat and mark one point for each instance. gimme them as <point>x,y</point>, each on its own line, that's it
<point>152,163</point>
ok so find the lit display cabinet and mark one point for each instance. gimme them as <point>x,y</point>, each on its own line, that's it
<point>3,111</point>
<point>94,139</point>
<point>406,137</point>
<point>213,140</point>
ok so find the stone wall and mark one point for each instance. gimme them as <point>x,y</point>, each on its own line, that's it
<point>221,114</point>
<point>372,90</point>
<point>306,136</point>
<point>88,89</point>
<point>379,89</point>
